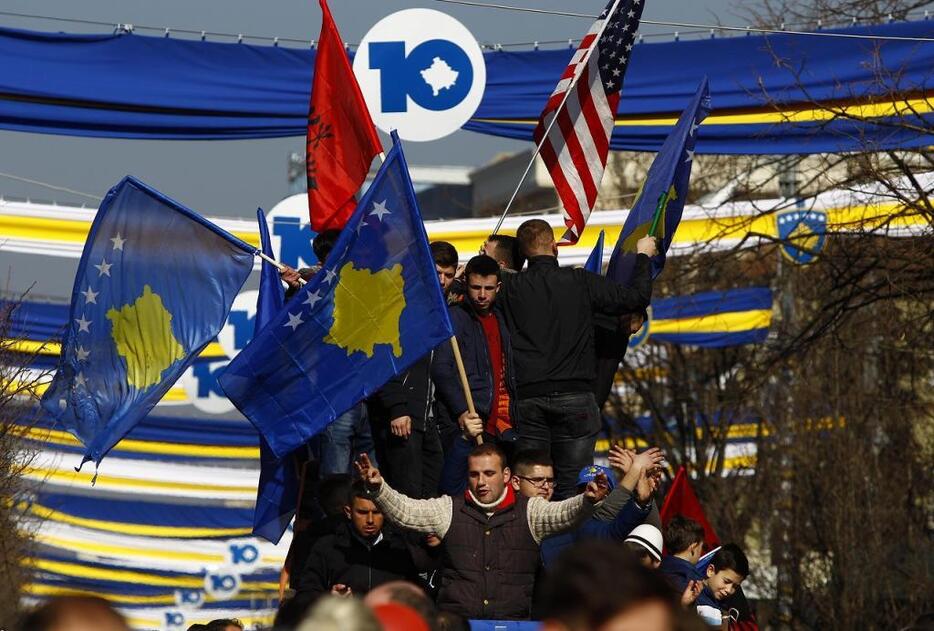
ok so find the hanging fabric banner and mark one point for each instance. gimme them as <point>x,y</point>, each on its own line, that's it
<point>775,94</point>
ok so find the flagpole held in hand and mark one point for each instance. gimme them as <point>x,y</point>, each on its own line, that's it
<point>464,384</point>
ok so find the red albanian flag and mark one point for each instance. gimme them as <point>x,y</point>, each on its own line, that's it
<point>681,500</point>
<point>341,141</point>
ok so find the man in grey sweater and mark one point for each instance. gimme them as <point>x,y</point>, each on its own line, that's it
<point>490,536</point>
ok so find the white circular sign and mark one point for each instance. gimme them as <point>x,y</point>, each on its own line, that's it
<point>422,73</point>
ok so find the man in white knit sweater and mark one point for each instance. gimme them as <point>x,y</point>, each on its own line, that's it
<point>490,536</point>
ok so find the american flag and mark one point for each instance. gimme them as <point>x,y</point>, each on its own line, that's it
<point>576,147</point>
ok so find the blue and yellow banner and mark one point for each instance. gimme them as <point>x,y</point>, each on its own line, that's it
<point>712,319</point>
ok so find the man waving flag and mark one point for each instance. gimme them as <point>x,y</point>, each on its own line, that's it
<point>373,309</point>
<point>575,127</point>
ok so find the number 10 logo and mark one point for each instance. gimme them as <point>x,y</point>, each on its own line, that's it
<point>421,73</point>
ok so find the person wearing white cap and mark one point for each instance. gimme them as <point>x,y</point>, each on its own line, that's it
<point>645,541</point>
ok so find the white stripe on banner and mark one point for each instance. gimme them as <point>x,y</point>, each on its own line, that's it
<point>145,477</point>
<point>177,555</point>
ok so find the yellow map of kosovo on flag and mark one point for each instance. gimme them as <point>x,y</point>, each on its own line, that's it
<point>367,308</point>
<point>143,335</point>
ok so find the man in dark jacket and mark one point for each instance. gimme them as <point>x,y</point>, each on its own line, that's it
<point>487,353</point>
<point>359,556</point>
<point>549,312</point>
<point>405,413</point>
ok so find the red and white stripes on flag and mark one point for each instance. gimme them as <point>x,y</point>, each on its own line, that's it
<point>584,102</point>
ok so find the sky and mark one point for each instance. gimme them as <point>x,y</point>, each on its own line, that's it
<point>232,178</point>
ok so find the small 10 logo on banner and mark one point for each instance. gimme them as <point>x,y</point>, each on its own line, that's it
<point>421,72</point>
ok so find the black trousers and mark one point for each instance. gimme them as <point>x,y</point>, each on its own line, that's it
<point>413,464</point>
<point>566,425</point>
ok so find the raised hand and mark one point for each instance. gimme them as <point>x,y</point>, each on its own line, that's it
<point>621,458</point>
<point>647,245</point>
<point>649,459</point>
<point>597,489</point>
<point>647,485</point>
<point>368,473</point>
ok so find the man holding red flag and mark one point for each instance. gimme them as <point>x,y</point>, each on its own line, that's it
<point>341,141</point>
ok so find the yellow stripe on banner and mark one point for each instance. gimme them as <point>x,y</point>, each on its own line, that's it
<point>68,230</point>
<point>727,322</point>
<point>77,570</point>
<point>43,590</point>
<point>125,528</point>
<point>59,437</point>
<point>690,231</point>
<point>914,107</point>
<point>127,551</point>
<point>118,482</point>
<point>35,347</point>
<point>176,394</point>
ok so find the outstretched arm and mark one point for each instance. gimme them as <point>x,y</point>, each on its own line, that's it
<point>428,516</point>
<point>550,518</point>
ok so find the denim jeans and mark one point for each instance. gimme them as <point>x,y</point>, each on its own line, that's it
<point>345,438</point>
<point>413,464</point>
<point>565,425</point>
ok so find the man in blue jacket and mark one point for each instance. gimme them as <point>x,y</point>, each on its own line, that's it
<point>487,353</point>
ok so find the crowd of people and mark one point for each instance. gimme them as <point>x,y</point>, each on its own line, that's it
<point>433,503</point>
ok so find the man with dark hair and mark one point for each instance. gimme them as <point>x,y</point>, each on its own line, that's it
<point>684,539</point>
<point>490,535</point>
<point>505,251</point>
<point>328,495</point>
<point>360,555</point>
<point>406,413</point>
<point>534,473</point>
<point>225,624</point>
<point>549,312</point>
<point>599,586</point>
<point>445,256</point>
<point>484,345</point>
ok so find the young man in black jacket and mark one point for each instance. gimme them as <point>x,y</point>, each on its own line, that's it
<point>405,414</point>
<point>487,353</point>
<point>359,556</point>
<point>549,312</point>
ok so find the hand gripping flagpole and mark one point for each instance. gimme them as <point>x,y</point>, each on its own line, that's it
<point>538,148</point>
<point>464,383</point>
<point>279,266</point>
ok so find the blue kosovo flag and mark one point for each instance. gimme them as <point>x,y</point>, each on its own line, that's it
<point>277,493</point>
<point>153,288</point>
<point>664,190</point>
<point>374,309</point>
<point>595,260</point>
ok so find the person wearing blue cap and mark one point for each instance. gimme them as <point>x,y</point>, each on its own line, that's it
<point>641,479</point>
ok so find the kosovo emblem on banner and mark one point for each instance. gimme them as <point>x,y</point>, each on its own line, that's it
<point>641,336</point>
<point>802,234</point>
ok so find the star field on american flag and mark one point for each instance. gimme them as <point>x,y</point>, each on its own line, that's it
<point>584,103</point>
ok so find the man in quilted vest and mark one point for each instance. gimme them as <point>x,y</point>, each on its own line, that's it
<point>490,535</point>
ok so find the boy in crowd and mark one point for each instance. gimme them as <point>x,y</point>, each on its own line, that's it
<point>684,539</point>
<point>727,569</point>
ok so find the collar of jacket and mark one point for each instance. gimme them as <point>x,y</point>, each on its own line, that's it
<point>543,259</point>
<point>506,500</point>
